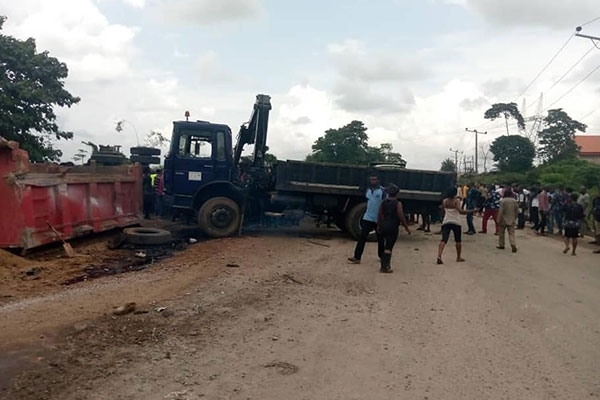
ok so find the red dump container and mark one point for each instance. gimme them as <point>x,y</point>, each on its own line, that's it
<point>75,200</point>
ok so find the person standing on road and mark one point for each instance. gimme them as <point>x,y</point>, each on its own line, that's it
<point>522,199</point>
<point>473,198</point>
<point>389,218</point>
<point>534,209</point>
<point>507,216</point>
<point>557,204</point>
<point>543,209</point>
<point>492,205</point>
<point>148,192</point>
<point>573,216</point>
<point>596,215</point>
<point>451,223</point>
<point>368,224</point>
<point>584,200</point>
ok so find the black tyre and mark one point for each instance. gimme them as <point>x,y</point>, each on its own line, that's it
<point>147,236</point>
<point>144,151</point>
<point>145,159</point>
<point>219,217</point>
<point>353,222</point>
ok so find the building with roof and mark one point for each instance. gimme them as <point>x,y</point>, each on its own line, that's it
<point>589,147</point>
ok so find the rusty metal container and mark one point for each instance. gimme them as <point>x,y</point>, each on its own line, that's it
<point>76,200</point>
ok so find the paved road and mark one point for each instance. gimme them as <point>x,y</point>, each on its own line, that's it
<point>295,321</point>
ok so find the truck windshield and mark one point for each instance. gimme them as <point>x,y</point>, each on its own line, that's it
<point>195,145</point>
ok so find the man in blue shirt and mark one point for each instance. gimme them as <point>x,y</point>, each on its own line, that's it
<point>368,224</point>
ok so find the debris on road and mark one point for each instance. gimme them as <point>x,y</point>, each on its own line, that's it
<point>317,243</point>
<point>292,279</point>
<point>124,309</point>
<point>140,254</point>
<point>160,309</point>
<point>232,265</point>
<point>284,368</point>
<point>192,240</point>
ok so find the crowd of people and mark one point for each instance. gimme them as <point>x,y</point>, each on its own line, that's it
<point>571,214</point>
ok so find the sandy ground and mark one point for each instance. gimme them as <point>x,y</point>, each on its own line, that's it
<point>293,320</point>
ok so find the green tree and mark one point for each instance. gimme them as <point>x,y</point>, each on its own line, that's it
<point>80,155</point>
<point>349,145</point>
<point>513,153</point>
<point>345,145</point>
<point>385,153</point>
<point>506,110</point>
<point>557,139</point>
<point>31,85</point>
<point>448,165</point>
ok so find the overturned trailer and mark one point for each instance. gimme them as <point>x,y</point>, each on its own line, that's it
<point>75,200</point>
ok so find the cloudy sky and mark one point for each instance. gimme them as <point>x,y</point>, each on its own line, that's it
<point>417,72</point>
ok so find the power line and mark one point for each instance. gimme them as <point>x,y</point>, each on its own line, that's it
<point>547,65</point>
<point>589,22</point>
<point>573,87</point>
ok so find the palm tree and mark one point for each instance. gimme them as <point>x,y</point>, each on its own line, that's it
<point>448,165</point>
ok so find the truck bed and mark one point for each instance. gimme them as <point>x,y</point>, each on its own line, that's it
<point>351,180</point>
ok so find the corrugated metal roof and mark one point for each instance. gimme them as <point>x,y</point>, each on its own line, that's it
<point>589,144</point>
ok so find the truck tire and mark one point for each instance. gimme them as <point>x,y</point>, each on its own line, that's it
<point>219,217</point>
<point>144,151</point>
<point>145,159</point>
<point>353,218</point>
<point>147,236</point>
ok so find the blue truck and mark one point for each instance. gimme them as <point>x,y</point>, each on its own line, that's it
<point>207,179</point>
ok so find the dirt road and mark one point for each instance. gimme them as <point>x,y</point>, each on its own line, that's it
<point>293,320</point>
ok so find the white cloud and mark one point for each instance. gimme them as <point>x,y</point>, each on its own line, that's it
<point>550,13</point>
<point>209,12</point>
<point>75,32</point>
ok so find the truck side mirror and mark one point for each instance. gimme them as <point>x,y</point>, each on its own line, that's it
<point>197,148</point>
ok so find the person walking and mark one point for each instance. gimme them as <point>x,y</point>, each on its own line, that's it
<point>451,223</point>
<point>375,196</point>
<point>389,218</point>
<point>507,216</point>
<point>492,205</point>
<point>573,216</point>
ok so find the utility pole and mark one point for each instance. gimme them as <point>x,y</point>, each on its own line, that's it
<point>592,38</point>
<point>456,158</point>
<point>476,132</point>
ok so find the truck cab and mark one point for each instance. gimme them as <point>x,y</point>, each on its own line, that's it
<point>200,155</point>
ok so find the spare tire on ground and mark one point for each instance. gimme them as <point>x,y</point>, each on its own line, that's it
<point>144,151</point>
<point>145,159</point>
<point>147,236</point>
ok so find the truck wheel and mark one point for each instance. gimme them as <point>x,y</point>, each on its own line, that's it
<point>219,217</point>
<point>147,236</point>
<point>144,151</point>
<point>353,218</point>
